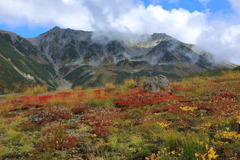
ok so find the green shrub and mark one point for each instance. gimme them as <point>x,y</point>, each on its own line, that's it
<point>5,152</point>
<point>129,82</point>
<point>108,102</point>
<point>109,85</point>
<point>36,90</point>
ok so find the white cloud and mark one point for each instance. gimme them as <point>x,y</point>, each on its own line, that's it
<point>67,1</point>
<point>235,4</point>
<point>38,12</point>
<point>178,23</point>
<point>221,38</point>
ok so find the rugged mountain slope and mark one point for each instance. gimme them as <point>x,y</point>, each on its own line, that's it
<point>71,57</point>
<point>94,58</point>
<point>19,64</point>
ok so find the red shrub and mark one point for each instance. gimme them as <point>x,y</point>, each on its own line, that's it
<point>68,142</point>
<point>224,80</point>
<point>228,95</point>
<point>178,87</point>
<point>173,108</point>
<point>140,99</point>
<point>54,114</point>
<point>63,94</point>
<point>225,96</point>
<point>57,139</point>
<point>102,120</point>
<point>78,110</point>
<point>102,131</point>
<point>153,110</point>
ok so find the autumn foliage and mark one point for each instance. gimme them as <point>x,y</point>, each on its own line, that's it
<point>199,120</point>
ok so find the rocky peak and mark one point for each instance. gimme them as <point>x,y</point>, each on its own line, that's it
<point>54,29</point>
<point>159,36</point>
<point>58,45</point>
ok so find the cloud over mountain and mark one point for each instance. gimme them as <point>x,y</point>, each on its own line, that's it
<point>196,27</point>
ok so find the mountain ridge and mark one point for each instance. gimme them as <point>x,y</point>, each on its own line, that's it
<point>90,59</point>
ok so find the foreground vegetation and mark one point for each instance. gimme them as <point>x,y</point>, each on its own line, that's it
<point>200,120</point>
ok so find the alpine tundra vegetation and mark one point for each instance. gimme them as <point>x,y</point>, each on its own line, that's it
<point>198,120</point>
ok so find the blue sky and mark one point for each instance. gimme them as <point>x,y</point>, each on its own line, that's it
<point>214,25</point>
<point>192,5</point>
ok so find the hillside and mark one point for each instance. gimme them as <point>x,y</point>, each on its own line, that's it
<point>65,58</point>
<point>200,120</point>
<point>20,66</point>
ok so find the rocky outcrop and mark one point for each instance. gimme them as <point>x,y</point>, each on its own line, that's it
<point>157,84</point>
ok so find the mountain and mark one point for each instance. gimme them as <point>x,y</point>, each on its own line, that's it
<point>68,58</point>
<point>20,64</point>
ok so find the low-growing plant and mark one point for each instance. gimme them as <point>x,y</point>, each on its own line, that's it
<point>53,114</point>
<point>107,102</point>
<point>39,89</point>
<point>79,110</point>
<point>134,146</point>
<point>200,120</point>
<point>129,82</point>
<point>78,88</point>
<point>56,101</point>
<point>55,138</point>
<point>109,85</point>
<point>6,152</point>
<point>14,138</point>
<point>135,113</point>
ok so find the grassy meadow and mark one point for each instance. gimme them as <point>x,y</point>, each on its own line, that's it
<point>200,120</point>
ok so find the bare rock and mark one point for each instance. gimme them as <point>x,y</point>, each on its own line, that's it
<point>157,84</point>
<point>36,118</point>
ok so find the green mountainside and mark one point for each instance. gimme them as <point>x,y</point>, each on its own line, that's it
<point>19,66</point>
